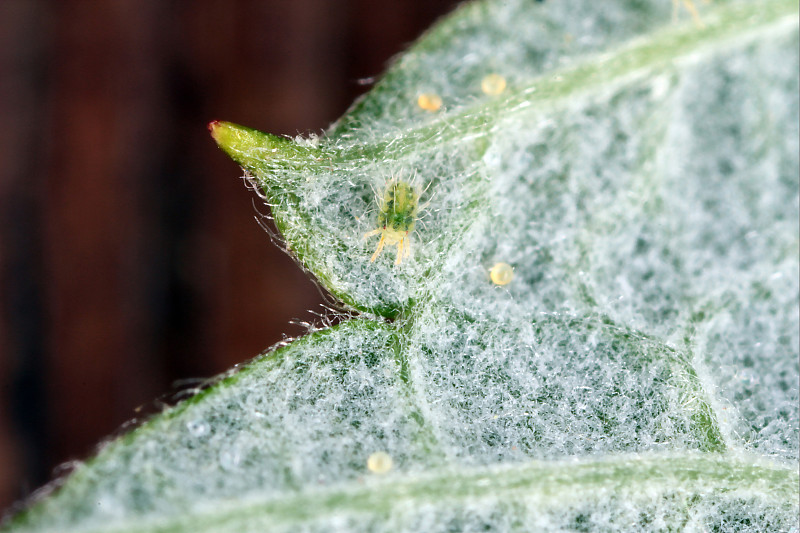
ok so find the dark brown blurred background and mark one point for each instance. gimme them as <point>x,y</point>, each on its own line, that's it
<point>129,254</point>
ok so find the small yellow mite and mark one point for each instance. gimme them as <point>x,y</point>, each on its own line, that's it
<point>397,216</point>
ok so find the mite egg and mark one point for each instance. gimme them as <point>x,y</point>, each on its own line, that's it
<point>429,102</point>
<point>493,84</point>
<point>501,274</point>
<point>379,463</point>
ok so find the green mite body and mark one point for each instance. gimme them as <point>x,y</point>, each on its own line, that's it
<point>397,216</point>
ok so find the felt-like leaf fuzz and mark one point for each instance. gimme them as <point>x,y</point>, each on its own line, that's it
<point>595,328</point>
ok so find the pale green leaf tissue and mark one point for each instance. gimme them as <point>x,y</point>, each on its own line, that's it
<point>639,173</point>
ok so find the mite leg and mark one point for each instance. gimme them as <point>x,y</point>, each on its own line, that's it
<point>379,250</point>
<point>399,252</point>
<point>689,5</point>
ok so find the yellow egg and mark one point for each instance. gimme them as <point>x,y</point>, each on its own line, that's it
<point>493,84</point>
<point>501,274</point>
<point>429,101</point>
<point>379,463</point>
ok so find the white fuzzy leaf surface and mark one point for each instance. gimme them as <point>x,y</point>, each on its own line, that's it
<point>638,373</point>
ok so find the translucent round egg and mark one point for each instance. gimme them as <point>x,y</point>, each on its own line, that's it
<point>379,463</point>
<point>501,274</point>
<point>493,84</point>
<point>429,101</point>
